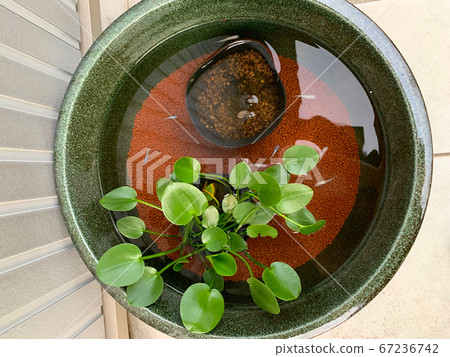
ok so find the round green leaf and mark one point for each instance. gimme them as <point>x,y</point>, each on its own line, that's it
<point>214,238</point>
<point>229,202</point>
<point>262,296</point>
<point>131,226</point>
<point>261,229</point>
<point>263,215</point>
<point>147,289</point>
<point>279,173</point>
<point>223,263</point>
<point>209,191</point>
<point>300,159</point>
<point>201,308</point>
<point>240,175</point>
<point>237,243</point>
<point>267,188</point>
<point>121,265</point>
<point>313,228</point>
<point>243,210</point>
<point>120,199</point>
<point>161,186</point>
<point>187,169</point>
<point>213,279</point>
<point>303,217</point>
<point>282,280</point>
<point>210,217</point>
<point>181,202</point>
<point>294,196</point>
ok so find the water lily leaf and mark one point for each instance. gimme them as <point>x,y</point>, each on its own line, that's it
<point>282,280</point>
<point>279,173</point>
<point>240,175</point>
<point>263,215</point>
<point>214,238</point>
<point>210,217</point>
<point>187,169</point>
<point>213,279</point>
<point>121,265</point>
<point>294,196</point>
<point>300,159</point>
<point>229,202</point>
<point>120,199</point>
<point>201,308</point>
<point>236,242</point>
<point>147,289</point>
<point>181,202</point>
<point>262,296</point>
<point>313,228</point>
<point>161,186</point>
<point>266,187</point>
<point>303,217</point>
<point>223,263</point>
<point>131,227</point>
<point>243,210</point>
<point>261,229</point>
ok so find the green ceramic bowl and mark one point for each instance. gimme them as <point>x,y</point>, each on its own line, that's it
<point>154,30</point>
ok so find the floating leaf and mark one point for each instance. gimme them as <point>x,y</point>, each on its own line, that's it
<point>201,308</point>
<point>244,209</point>
<point>266,187</point>
<point>294,196</point>
<point>131,227</point>
<point>214,238</point>
<point>120,199</point>
<point>147,289</point>
<point>313,228</point>
<point>187,169</point>
<point>261,229</point>
<point>237,243</point>
<point>121,265</point>
<point>240,175</point>
<point>279,173</point>
<point>181,202</point>
<point>300,159</point>
<point>210,217</point>
<point>223,263</point>
<point>161,186</point>
<point>303,217</point>
<point>263,215</point>
<point>282,280</point>
<point>229,202</point>
<point>262,296</point>
<point>213,279</point>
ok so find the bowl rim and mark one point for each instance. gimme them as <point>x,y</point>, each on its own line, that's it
<point>422,157</point>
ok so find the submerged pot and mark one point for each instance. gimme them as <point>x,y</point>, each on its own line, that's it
<point>241,104</point>
<point>151,31</point>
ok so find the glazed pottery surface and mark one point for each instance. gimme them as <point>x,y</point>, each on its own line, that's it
<point>154,30</point>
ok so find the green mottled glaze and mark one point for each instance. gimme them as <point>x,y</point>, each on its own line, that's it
<point>90,109</point>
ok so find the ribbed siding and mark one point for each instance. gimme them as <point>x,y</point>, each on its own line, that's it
<point>45,289</point>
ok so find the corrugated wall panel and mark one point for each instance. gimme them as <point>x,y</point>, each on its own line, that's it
<point>45,289</point>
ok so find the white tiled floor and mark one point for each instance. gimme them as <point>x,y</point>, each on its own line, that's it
<point>415,304</point>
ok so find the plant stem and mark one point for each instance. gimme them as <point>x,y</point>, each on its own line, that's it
<point>197,220</point>
<point>254,260</point>
<point>161,253</point>
<point>160,234</point>
<point>180,259</point>
<point>285,217</point>
<point>241,258</point>
<point>149,204</point>
<point>213,197</point>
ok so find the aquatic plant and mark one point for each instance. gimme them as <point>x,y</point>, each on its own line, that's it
<point>215,228</point>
